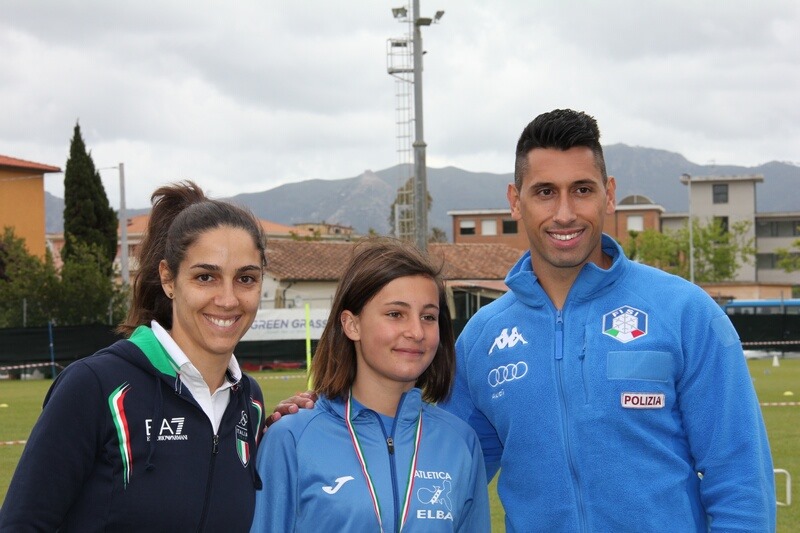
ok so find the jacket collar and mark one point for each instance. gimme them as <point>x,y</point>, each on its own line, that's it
<point>407,411</point>
<point>591,281</point>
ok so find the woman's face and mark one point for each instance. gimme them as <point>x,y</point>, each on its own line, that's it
<point>216,292</point>
<point>396,334</point>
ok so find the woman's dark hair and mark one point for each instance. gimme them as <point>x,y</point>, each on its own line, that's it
<point>374,264</point>
<point>181,213</point>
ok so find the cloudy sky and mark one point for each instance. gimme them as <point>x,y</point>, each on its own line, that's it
<point>243,96</point>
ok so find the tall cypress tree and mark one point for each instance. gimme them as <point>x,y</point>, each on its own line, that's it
<point>88,217</point>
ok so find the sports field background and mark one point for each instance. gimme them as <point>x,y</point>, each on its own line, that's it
<point>21,401</point>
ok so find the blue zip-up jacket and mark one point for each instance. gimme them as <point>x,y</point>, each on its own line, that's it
<point>313,480</point>
<point>631,409</point>
<point>122,446</point>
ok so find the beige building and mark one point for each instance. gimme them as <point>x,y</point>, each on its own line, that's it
<point>323,230</point>
<point>22,200</point>
<point>728,199</point>
<point>732,199</point>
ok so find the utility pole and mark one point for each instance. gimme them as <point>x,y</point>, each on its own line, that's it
<point>688,179</point>
<point>123,229</point>
<point>420,170</point>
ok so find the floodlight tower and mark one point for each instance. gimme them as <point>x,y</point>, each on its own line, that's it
<point>420,188</point>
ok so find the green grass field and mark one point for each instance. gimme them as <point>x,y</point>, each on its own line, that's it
<point>20,404</point>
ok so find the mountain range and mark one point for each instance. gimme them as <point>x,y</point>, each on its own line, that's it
<point>364,201</point>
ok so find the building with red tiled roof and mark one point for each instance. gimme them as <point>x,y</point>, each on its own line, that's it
<point>22,200</point>
<point>307,272</point>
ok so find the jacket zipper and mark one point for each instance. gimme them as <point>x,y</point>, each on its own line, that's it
<point>390,448</point>
<point>392,463</point>
<point>582,358</point>
<point>559,355</point>
<point>214,452</point>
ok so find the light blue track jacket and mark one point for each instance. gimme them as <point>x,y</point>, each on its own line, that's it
<point>631,409</point>
<point>313,481</point>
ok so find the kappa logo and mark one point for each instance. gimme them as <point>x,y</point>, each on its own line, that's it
<point>171,429</point>
<point>340,481</point>
<point>625,324</point>
<point>507,340</point>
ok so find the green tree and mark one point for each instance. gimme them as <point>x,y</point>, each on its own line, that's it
<point>29,287</point>
<point>88,217</point>
<point>718,253</point>
<point>789,258</point>
<point>3,276</point>
<point>32,293</point>
<point>88,295</point>
<point>654,248</point>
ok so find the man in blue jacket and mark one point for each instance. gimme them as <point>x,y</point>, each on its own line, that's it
<point>610,395</point>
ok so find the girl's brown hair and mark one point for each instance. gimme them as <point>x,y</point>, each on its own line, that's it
<point>375,263</point>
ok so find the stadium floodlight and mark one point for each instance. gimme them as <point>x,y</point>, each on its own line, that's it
<point>399,12</point>
<point>438,16</point>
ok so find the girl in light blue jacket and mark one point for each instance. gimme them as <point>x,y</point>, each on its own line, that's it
<point>374,454</point>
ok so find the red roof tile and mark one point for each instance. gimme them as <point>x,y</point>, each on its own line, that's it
<point>307,260</point>
<point>325,260</point>
<point>476,261</point>
<point>13,162</point>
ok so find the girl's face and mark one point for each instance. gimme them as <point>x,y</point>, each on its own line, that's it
<point>396,335</point>
<point>216,292</point>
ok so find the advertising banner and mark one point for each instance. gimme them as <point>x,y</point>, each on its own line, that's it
<point>286,324</point>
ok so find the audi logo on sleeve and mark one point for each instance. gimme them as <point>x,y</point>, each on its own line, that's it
<point>507,373</point>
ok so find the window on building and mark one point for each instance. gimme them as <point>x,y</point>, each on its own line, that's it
<point>778,228</point>
<point>720,191</point>
<point>766,229</point>
<point>722,222</point>
<point>788,228</point>
<point>466,227</point>
<point>635,223</point>
<point>766,261</point>
<point>509,227</point>
<point>467,304</point>
<point>488,227</point>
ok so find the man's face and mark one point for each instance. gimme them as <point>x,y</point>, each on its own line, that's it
<point>562,203</point>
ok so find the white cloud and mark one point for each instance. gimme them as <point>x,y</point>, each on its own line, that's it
<point>245,96</point>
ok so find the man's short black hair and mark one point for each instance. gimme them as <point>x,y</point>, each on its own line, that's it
<point>561,129</point>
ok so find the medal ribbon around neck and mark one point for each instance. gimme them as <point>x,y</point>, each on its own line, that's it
<point>363,462</point>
